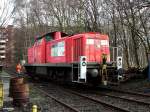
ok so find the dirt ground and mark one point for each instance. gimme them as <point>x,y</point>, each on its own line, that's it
<point>139,85</point>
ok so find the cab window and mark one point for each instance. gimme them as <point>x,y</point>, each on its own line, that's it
<point>48,38</point>
<point>90,41</point>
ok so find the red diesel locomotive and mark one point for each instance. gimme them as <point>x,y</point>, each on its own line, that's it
<point>77,58</point>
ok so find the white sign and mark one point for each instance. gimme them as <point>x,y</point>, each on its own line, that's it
<point>90,41</point>
<point>119,62</point>
<point>104,42</point>
<point>83,67</point>
<point>58,49</point>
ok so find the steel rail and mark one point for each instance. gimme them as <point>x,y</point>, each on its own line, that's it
<point>86,97</point>
<point>98,101</point>
<point>127,92</point>
<point>55,99</point>
<point>127,99</point>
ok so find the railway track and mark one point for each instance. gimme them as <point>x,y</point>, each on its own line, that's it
<point>137,102</point>
<point>125,91</point>
<point>73,101</point>
<point>126,103</point>
<point>129,98</point>
<point>78,102</point>
<point>140,98</point>
<point>57,100</point>
<point>110,99</point>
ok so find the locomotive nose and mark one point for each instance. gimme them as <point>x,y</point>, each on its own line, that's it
<point>93,73</point>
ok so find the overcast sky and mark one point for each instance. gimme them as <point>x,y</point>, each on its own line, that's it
<point>6,8</point>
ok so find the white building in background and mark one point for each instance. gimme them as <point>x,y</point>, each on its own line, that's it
<point>2,45</point>
<point>6,46</point>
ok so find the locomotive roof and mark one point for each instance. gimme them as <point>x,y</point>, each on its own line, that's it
<point>52,34</point>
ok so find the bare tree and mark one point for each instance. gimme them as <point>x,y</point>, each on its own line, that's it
<point>126,22</point>
<point>6,11</point>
